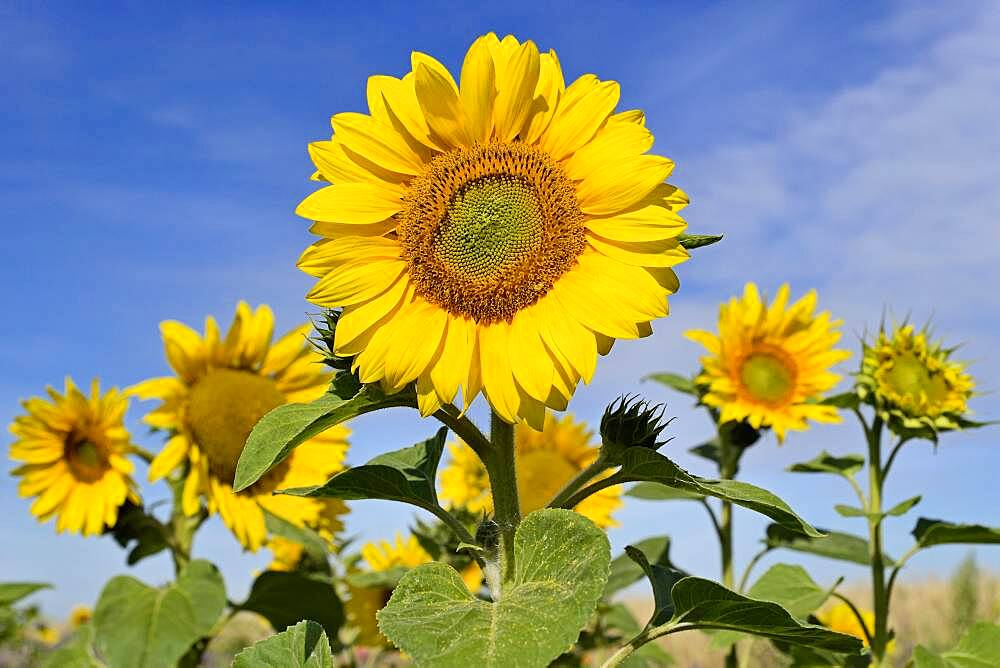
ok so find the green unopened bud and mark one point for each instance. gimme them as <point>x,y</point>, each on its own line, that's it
<point>326,326</point>
<point>629,422</point>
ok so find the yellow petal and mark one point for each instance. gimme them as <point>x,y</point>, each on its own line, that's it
<point>420,331</point>
<point>659,253</point>
<point>172,456</point>
<point>184,349</point>
<point>427,398</point>
<point>649,220</point>
<point>359,203</point>
<point>515,91</point>
<point>372,140</point>
<point>547,94</point>
<point>583,109</point>
<point>339,165</point>
<point>358,319</point>
<point>157,388</point>
<point>438,97</point>
<point>452,366</point>
<point>403,109</point>
<point>495,366</point>
<point>478,90</point>
<point>325,255</point>
<point>621,184</point>
<point>530,361</point>
<point>356,282</point>
<point>617,140</point>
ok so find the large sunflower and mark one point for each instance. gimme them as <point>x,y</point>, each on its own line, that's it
<point>73,451</point>
<point>544,462</point>
<point>912,380</point>
<point>492,234</point>
<point>768,364</point>
<point>222,388</point>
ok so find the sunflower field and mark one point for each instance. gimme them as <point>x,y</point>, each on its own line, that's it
<point>489,235</point>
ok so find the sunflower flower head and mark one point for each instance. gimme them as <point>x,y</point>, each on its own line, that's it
<point>80,615</point>
<point>544,462</point>
<point>841,618</point>
<point>628,423</point>
<point>73,451</point>
<point>913,382</point>
<point>222,386</point>
<point>768,364</point>
<point>493,233</point>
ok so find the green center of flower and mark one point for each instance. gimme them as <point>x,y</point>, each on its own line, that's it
<point>910,379</point>
<point>492,225</point>
<point>86,459</point>
<point>224,406</point>
<point>767,377</point>
<point>488,230</point>
<point>540,476</point>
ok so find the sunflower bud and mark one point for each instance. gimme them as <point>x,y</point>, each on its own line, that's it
<point>326,325</point>
<point>630,422</point>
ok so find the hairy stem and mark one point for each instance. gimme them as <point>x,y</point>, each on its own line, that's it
<point>500,466</point>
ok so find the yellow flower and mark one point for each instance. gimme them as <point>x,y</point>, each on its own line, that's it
<point>912,380</point>
<point>45,634</point>
<point>493,234</point>
<point>286,554</point>
<point>80,615</point>
<point>545,462</point>
<point>768,364</point>
<point>841,618</point>
<point>222,387</point>
<point>73,453</point>
<point>363,602</point>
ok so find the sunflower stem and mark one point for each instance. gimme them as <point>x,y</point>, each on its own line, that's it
<point>880,599</point>
<point>598,467</point>
<point>727,470</point>
<point>500,466</point>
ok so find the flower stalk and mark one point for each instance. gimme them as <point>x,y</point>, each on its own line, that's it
<point>500,466</point>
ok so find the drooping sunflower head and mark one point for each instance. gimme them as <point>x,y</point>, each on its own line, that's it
<point>913,381</point>
<point>767,364</point>
<point>222,387</point>
<point>493,233</point>
<point>544,462</point>
<point>72,449</point>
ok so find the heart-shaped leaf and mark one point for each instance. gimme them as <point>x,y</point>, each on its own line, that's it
<point>978,648</point>
<point>405,475</point>
<point>824,462</point>
<point>146,627</point>
<point>287,598</point>
<point>288,426</point>
<point>625,570</point>
<point>561,562</point>
<point>12,592</point>
<point>640,464</point>
<point>938,532</point>
<point>304,645</point>
<point>834,545</point>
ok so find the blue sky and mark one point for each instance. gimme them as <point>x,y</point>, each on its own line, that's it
<point>151,159</point>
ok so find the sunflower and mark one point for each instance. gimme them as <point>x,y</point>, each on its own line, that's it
<point>768,364</point>
<point>493,234</point>
<point>544,462</point>
<point>841,618</point>
<point>913,382</point>
<point>286,554</point>
<point>222,387</point>
<point>73,452</point>
<point>80,615</point>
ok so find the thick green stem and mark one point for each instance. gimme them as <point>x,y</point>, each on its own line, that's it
<point>598,467</point>
<point>880,599</point>
<point>727,469</point>
<point>500,466</point>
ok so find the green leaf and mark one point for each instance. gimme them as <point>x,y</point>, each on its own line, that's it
<point>640,464</point>
<point>846,465</point>
<point>708,450</point>
<point>146,627</point>
<point>662,579</point>
<point>77,652</point>
<point>313,545</point>
<point>845,400</point>
<point>625,570</point>
<point>849,511</point>
<point>290,425</point>
<point>978,648</point>
<point>387,579</point>
<point>938,532</point>
<point>836,545</point>
<point>304,645</point>
<point>710,605</point>
<point>287,598</point>
<point>561,562</point>
<point>136,526</point>
<point>903,507</point>
<point>675,381</point>
<point>405,475</point>
<point>691,241</point>
<point>12,592</point>
<point>651,491</point>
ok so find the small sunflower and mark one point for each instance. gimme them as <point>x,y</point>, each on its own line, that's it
<point>768,364</point>
<point>222,387</point>
<point>544,462</point>
<point>363,602</point>
<point>913,382</point>
<point>80,615</point>
<point>73,452</point>
<point>841,618</point>
<point>493,234</point>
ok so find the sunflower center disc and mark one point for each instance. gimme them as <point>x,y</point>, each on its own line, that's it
<point>909,378</point>
<point>85,459</point>
<point>767,377</point>
<point>224,407</point>
<point>487,231</point>
<point>540,476</point>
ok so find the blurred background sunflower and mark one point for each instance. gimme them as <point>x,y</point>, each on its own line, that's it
<point>222,387</point>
